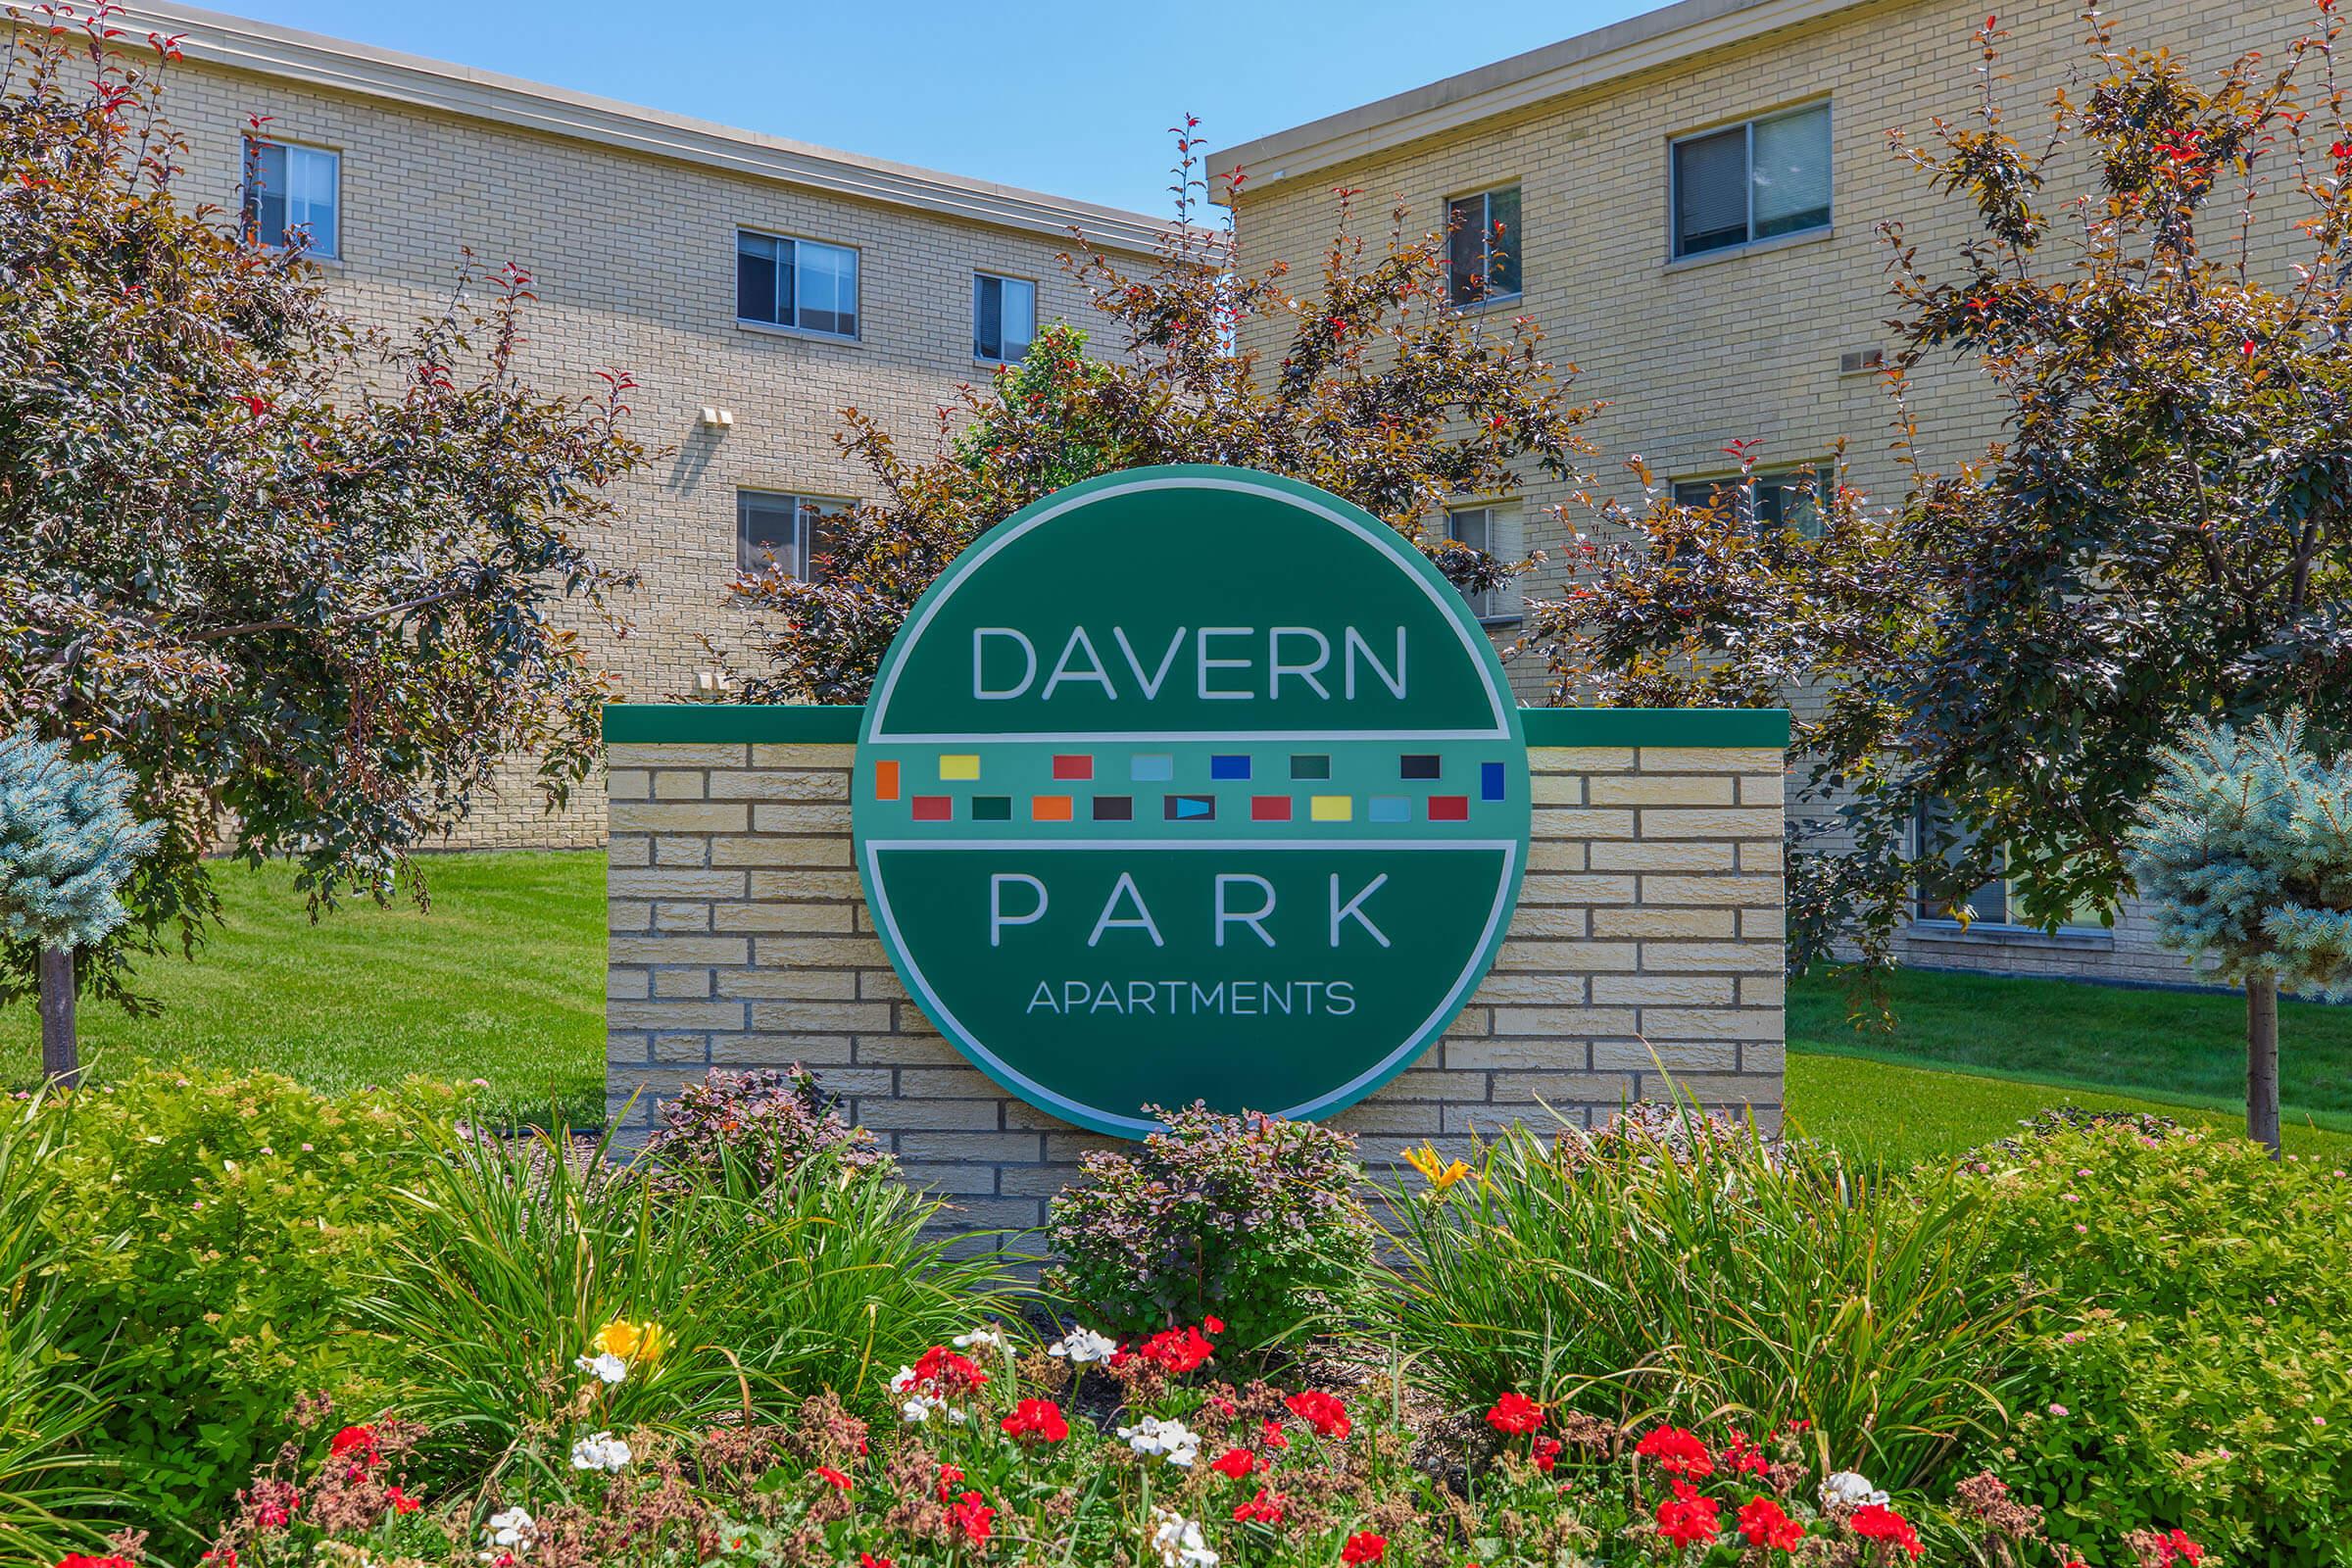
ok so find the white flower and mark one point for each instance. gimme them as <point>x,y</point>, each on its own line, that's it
<point>917,1411</point>
<point>1178,1541</point>
<point>901,1380</point>
<point>1081,1345</point>
<point>1846,1489</point>
<point>988,1337</point>
<point>511,1528</point>
<point>600,1451</point>
<point>1173,1441</point>
<point>604,1365</point>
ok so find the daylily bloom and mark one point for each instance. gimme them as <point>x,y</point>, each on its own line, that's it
<point>632,1342</point>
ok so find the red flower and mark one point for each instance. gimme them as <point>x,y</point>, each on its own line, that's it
<point>1274,1437</point>
<point>2175,1545</point>
<point>1037,1418</point>
<point>1766,1527</point>
<point>1266,1508</point>
<point>1364,1546</point>
<point>1235,1462</point>
<point>1687,1519</point>
<point>949,1475</point>
<point>1745,1455</point>
<point>1678,1452</point>
<point>399,1500</point>
<point>1874,1523</point>
<point>866,1559</point>
<point>1546,1453</point>
<point>948,1372</point>
<point>831,1476</point>
<point>1515,1414</point>
<point>1327,1413</point>
<point>73,1559</point>
<point>971,1516</point>
<point>1177,1350</point>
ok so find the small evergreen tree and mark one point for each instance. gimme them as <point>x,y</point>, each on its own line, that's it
<point>67,844</point>
<point>2245,849</point>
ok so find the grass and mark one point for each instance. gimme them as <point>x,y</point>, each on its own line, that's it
<point>502,979</point>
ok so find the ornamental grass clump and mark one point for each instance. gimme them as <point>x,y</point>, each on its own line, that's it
<point>1709,1277</point>
<point>1249,1218</point>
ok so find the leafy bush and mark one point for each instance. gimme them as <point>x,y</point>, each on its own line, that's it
<point>775,1121</point>
<point>724,1294</point>
<point>1248,1218</point>
<point>2188,1361</point>
<point>213,1230</point>
<point>1710,1277</point>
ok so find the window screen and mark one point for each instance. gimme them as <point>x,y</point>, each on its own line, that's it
<point>292,193</point>
<point>1482,258</point>
<point>1752,181</point>
<point>1003,317</point>
<point>796,282</point>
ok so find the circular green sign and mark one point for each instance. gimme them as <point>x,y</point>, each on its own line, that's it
<point>1190,783</point>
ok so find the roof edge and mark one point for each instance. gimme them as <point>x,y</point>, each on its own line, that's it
<point>1588,60</point>
<point>241,43</point>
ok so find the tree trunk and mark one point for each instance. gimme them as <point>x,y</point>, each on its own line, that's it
<point>2262,1060</point>
<point>60,1057</point>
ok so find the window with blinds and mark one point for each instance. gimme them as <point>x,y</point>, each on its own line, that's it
<point>1482,256</point>
<point>1003,317</point>
<point>1493,529</point>
<point>1769,501</point>
<point>1752,181</point>
<point>293,196</point>
<point>782,530</point>
<point>796,283</point>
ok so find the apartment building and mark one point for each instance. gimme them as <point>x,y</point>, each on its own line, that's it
<point>753,287</point>
<point>1694,199</point>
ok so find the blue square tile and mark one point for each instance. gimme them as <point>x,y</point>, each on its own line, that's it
<point>1152,767</point>
<point>1228,767</point>
<point>1390,809</point>
<point>1490,781</point>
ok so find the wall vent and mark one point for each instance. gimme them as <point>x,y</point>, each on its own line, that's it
<point>1854,361</point>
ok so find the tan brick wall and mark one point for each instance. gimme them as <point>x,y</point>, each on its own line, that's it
<point>633,258</point>
<point>1646,944</point>
<point>1744,344</point>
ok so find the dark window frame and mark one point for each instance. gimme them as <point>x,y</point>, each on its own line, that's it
<point>1787,481</point>
<point>981,278</point>
<point>1677,247</point>
<point>782,268</point>
<point>250,196</point>
<point>808,513</point>
<point>1472,292</point>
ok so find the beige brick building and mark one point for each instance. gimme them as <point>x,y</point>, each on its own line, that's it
<point>657,243</point>
<point>1696,194</point>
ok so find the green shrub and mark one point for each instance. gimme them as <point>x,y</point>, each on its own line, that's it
<point>1246,1218</point>
<point>509,1263</point>
<point>213,1230</point>
<point>2188,1362</point>
<point>1703,1277</point>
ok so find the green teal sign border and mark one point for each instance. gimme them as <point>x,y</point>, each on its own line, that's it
<point>837,724</point>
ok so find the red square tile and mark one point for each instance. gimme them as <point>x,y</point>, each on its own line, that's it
<point>1077,768</point>
<point>1449,808</point>
<point>1269,808</point>
<point>934,807</point>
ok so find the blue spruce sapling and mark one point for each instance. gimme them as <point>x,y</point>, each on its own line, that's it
<point>68,842</point>
<point>2245,850</point>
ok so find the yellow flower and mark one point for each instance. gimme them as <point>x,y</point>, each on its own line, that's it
<point>642,1343</point>
<point>1434,1167</point>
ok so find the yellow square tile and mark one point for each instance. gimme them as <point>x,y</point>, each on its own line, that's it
<point>1331,808</point>
<point>951,768</point>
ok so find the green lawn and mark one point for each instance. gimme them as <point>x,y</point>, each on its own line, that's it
<point>503,980</point>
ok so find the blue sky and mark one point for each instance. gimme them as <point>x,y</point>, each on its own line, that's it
<point>1058,96</point>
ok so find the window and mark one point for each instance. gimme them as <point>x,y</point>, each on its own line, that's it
<point>789,531</point>
<point>1482,260</point>
<point>1996,903</point>
<point>1754,181</point>
<point>1493,529</point>
<point>1783,498</point>
<point>1003,317</point>
<point>796,283</point>
<point>293,193</point>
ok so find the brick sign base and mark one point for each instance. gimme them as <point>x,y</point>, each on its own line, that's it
<point>1647,943</point>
